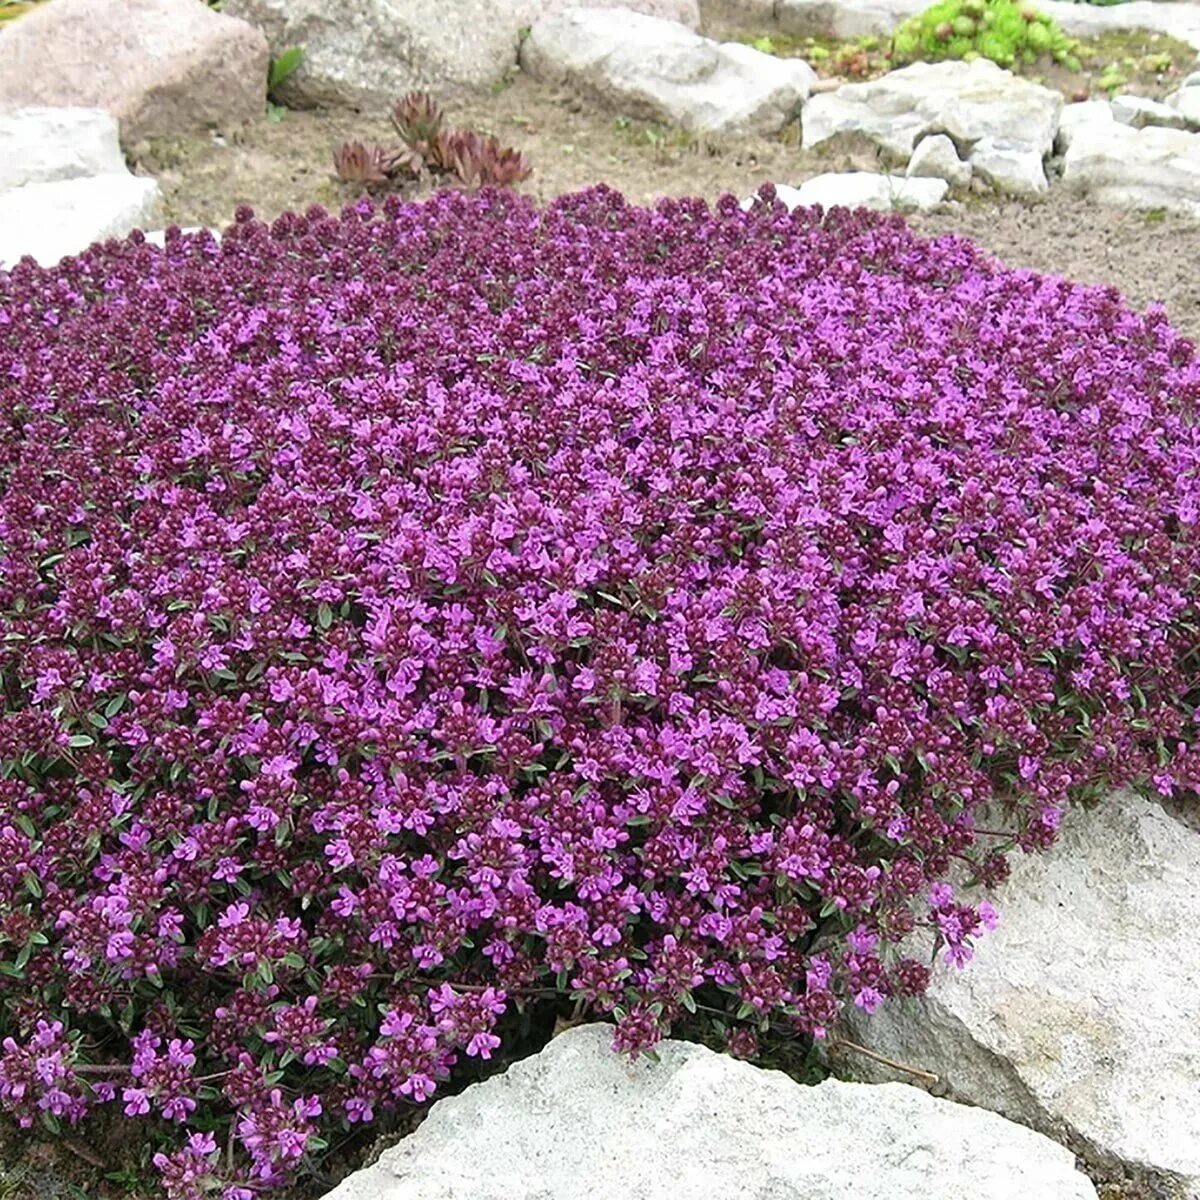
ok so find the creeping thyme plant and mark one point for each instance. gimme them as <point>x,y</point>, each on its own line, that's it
<point>408,614</point>
<point>1006,31</point>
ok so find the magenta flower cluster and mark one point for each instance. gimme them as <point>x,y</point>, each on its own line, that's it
<point>409,616</point>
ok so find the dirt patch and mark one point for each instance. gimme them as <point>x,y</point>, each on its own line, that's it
<point>1151,257</point>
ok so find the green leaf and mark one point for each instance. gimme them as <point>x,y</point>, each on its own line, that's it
<point>324,616</point>
<point>80,740</point>
<point>283,67</point>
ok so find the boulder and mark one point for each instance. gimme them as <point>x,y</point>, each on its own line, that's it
<point>41,145</point>
<point>1146,168</point>
<point>832,18</point>
<point>1079,118</point>
<point>685,12</point>
<point>52,220</point>
<point>161,67</point>
<point>936,158</point>
<point>661,71</point>
<point>366,53</point>
<point>864,189</point>
<point>1180,21</point>
<point>1078,1016</point>
<point>974,104</point>
<point>737,14</point>
<point>1012,168</point>
<point>577,1121</point>
<point>1140,111</point>
<point>1185,104</point>
<point>828,115</point>
<point>857,18</point>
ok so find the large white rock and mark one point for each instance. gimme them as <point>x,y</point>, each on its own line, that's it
<point>856,18</point>
<point>1177,20</point>
<point>161,67</point>
<point>832,18</point>
<point>368,52</point>
<point>1133,168</point>
<point>864,189</point>
<point>1080,1014</point>
<point>40,145</point>
<point>1012,168</point>
<point>1081,117</point>
<point>52,220</point>
<point>662,71</point>
<point>936,158</point>
<point>1185,103</point>
<point>578,1122</point>
<point>371,51</point>
<point>969,102</point>
<point>1140,111</point>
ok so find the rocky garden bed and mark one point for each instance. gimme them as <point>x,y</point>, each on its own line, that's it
<point>436,617</point>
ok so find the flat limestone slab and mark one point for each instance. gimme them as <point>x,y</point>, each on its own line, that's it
<point>578,1122</point>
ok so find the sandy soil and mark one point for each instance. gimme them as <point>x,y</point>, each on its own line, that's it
<point>275,166</point>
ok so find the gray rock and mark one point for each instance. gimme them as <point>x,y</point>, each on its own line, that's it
<point>370,51</point>
<point>52,220</point>
<point>40,145</point>
<point>966,101</point>
<point>1135,168</point>
<point>1192,80</point>
<point>1185,104</point>
<point>864,189</point>
<point>1180,20</point>
<point>1079,1014</point>
<point>661,71</point>
<point>936,158</point>
<point>161,67</point>
<point>1083,117</point>
<point>577,1122</point>
<point>738,14</point>
<point>855,18</point>
<point>1139,111</point>
<point>828,115</point>
<point>686,12</point>
<point>1012,168</point>
<point>831,18</point>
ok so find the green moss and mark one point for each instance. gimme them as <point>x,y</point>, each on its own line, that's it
<point>1145,52</point>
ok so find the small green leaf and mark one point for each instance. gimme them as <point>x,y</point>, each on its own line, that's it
<point>283,67</point>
